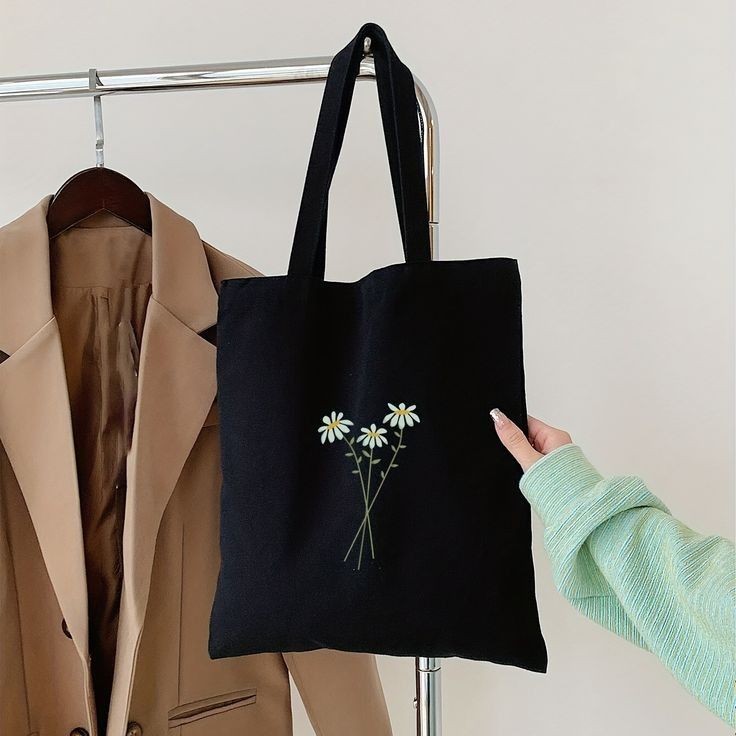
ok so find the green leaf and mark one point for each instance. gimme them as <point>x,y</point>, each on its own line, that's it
<point>394,465</point>
<point>360,459</point>
<point>348,454</point>
<point>393,448</point>
<point>383,475</point>
<point>366,453</point>
<point>402,447</point>
<point>376,461</point>
<point>398,434</point>
<point>355,472</point>
<point>352,440</point>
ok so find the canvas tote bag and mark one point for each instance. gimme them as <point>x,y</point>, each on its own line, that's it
<point>367,504</point>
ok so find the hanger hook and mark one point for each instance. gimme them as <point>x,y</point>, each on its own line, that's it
<point>94,83</point>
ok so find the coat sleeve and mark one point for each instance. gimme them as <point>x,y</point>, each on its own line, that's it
<point>622,560</point>
<point>341,692</point>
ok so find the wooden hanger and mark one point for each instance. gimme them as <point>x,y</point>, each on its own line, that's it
<point>94,190</point>
<point>98,189</point>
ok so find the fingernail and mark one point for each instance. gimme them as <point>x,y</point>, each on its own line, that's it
<point>499,418</point>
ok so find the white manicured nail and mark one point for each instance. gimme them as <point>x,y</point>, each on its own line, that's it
<point>499,418</point>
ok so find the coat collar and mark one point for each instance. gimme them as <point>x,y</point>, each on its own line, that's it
<point>176,389</point>
<point>181,280</point>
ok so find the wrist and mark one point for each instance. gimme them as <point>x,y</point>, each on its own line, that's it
<point>554,482</point>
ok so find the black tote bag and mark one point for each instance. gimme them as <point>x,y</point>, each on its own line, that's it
<point>367,504</point>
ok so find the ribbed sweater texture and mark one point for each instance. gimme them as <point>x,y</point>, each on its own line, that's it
<point>623,560</point>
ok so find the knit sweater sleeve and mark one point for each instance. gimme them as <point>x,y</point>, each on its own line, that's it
<point>622,560</point>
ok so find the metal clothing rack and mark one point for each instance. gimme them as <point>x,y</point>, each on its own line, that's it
<point>97,83</point>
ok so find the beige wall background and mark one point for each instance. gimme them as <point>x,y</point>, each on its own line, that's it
<point>592,140</point>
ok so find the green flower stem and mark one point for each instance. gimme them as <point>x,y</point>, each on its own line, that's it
<point>365,499</point>
<point>368,495</point>
<point>367,518</point>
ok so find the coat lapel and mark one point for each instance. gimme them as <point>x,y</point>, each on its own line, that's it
<point>35,417</point>
<point>176,389</point>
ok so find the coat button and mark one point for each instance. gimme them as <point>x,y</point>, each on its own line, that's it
<point>65,629</point>
<point>134,729</point>
<point>79,732</point>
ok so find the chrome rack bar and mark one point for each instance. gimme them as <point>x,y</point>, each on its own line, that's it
<point>218,76</point>
<point>97,83</point>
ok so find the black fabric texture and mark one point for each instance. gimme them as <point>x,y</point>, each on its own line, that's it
<point>434,558</point>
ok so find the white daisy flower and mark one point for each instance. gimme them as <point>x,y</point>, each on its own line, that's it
<point>372,437</point>
<point>401,416</point>
<point>334,427</point>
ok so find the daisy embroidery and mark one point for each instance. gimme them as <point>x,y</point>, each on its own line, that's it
<point>334,427</point>
<point>372,437</point>
<point>401,416</point>
<point>370,466</point>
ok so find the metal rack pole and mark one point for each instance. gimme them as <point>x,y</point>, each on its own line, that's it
<point>97,83</point>
<point>218,76</point>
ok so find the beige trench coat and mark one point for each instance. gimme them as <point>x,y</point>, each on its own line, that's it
<point>109,497</point>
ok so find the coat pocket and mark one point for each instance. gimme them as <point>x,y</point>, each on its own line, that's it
<point>193,711</point>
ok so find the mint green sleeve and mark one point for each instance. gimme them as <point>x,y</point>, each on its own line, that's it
<point>622,560</point>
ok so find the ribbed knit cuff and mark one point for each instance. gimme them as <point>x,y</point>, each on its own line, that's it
<point>554,483</point>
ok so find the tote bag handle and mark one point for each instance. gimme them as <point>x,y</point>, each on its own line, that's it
<point>398,105</point>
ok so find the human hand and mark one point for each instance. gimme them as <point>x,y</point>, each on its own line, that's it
<point>542,438</point>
